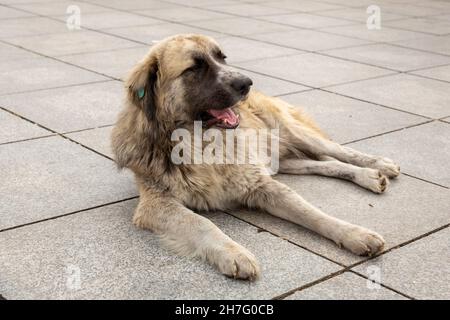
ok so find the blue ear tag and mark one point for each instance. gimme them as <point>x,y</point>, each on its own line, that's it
<point>141,93</point>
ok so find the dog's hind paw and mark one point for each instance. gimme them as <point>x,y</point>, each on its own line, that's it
<point>387,167</point>
<point>373,180</point>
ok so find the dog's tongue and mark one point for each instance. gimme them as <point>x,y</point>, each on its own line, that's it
<point>225,115</point>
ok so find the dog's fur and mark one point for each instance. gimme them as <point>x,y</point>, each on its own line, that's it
<point>176,89</point>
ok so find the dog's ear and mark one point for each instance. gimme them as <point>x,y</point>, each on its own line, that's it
<point>141,82</point>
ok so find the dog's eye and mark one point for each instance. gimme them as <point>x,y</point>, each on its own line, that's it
<point>198,64</point>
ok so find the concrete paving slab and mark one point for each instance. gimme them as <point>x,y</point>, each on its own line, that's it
<point>303,6</point>
<point>306,20</point>
<point>238,49</point>
<point>408,209</point>
<point>438,73</point>
<point>384,34</point>
<point>392,57</point>
<point>57,8</point>
<point>250,9</point>
<point>422,151</point>
<point>9,52</point>
<point>72,108</point>
<point>113,19</point>
<point>114,63</point>
<point>358,14</point>
<point>40,73</point>
<point>72,42</point>
<point>122,262</point>
<point>347,286</point>
<point>12,128</point>
<point>240,26</point>
<point>183,15</point>
<point>314,70</point>
<point>47,177</point>
<point>154,33</point>
<point>97,139</point>
<point>428,43</point>
<point>8,13</point>
<point>29,26</point>
<point>308,40</point>
<point>418,95</point>
<point>426,25</point>
<point>345,119</point>
<point>419,269</point>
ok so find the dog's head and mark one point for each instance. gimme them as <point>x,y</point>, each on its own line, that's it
<point>185,78</point>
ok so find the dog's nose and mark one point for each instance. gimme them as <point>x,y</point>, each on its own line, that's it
<point>242,84</point>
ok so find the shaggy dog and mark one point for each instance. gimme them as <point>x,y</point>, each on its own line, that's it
<point>184,79</point>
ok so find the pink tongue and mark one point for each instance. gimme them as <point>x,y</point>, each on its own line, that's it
<point>227,115</point>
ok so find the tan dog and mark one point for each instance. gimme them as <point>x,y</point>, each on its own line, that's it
<point>185,78</point>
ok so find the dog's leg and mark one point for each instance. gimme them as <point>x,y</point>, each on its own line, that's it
<point>368,178</point>
<point>323,148</point>
<point>190,234</point>
<point>279,200</point>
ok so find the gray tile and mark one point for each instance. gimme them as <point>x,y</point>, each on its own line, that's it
<point>347,286</point>
<point>439,73</point>
<point>13,128</point>
<point>240,26</point>
<point>271,86</point>
<point>404,92</point>
<point>302,6</point>
<point>238,49</point>
<point>308,40</point>
<point>426,25</point>
<point>115,63</point>
<point>71,42</point>
<point>358,14</point>
<point>429,43</point>
<point>409,9</point>
<point>385,34</point>
<point>11,28</point>
<point>392,57</point>
<point>133,4</point>
<point>250,9</point>
<point>419,269</point>
<point>118,261</point>
<point>408,209</point>
<point>8,13</point>
<point>204,3</point>
<point>113,19</point>
<point>57,8</point>
<point>9,52</point>
<point>51,176</point>
<point>422,151</point>
<point>71,108</point>
<point>314,70</point>
<point>97,139</point>
<point>346,119</point>
<point>40,73</point>
<point>306,20</point>
<point>150,34</point>
<point>181,14</point>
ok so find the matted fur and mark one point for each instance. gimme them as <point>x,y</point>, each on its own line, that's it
<point>169,193</point>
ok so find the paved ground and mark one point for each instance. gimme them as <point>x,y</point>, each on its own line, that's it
<point>65,211</point>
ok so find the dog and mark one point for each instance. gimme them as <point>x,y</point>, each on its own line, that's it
<point>185,79</point>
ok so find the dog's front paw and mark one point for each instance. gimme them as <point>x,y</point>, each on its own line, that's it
<point>362,241</point>
<point>387,167</point>
<point>237,262</point>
